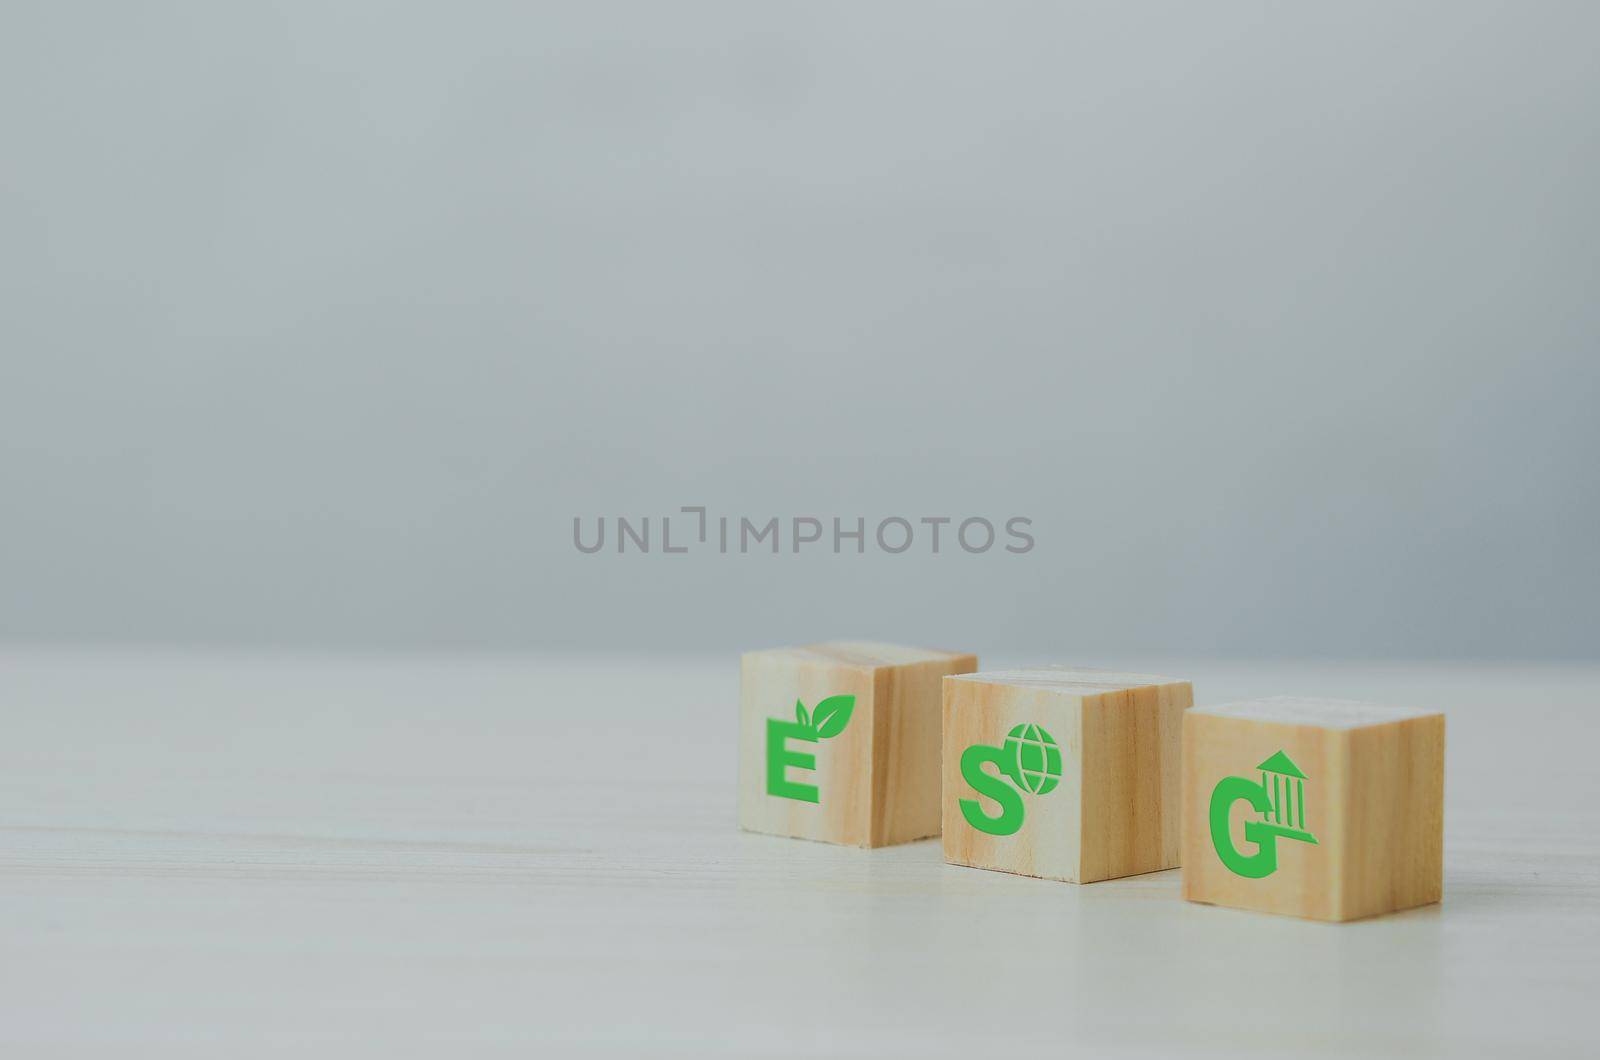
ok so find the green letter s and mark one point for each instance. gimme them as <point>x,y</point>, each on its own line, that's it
<point>995,786</point>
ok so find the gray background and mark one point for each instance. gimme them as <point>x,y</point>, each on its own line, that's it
<point>322,321</point>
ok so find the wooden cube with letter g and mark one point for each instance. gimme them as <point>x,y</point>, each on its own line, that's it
<point>840,742</point>
<point>1061,773</point>
<point>1316,808</point>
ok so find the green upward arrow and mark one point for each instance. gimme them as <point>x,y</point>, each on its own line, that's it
<point>1281,763</point>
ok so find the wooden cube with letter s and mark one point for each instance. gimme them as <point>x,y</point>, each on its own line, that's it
<point>1317,808</point>
<point>839,742</point>
<point>1065,774</point>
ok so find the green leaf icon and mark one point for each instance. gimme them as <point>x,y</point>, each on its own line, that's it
<point>800,714</point>
<point>833,714</point>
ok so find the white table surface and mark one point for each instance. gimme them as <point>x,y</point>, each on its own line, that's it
<point>235,855</point>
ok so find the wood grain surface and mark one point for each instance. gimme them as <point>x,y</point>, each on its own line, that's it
<point>1114,808</point>
<point>214,855</point>
<point>1376,801</point>
<point>877,781</point>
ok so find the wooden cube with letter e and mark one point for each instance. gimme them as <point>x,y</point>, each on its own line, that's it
<point>1317,808</point>
<point>1065,774</point>
<point>840,742</point>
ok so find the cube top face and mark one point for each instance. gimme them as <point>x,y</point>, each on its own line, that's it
<point>839,742</point>
<point>1315,713</point>
<point>1323,809</point>
<point>864,653</point>
<point>1074,680</point>
<point>1062,774</point>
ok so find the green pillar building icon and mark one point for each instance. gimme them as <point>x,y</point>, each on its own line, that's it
<point>1286,789</point>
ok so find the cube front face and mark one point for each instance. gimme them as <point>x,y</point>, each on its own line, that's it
<point>840,742</point>
<point>1048,775</point>
<point>1012,765</point>
<point>1238,849</point>
<point>1315,820</point>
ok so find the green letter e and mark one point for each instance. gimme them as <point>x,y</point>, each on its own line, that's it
<point>993,785</point>
<point>779,757</point>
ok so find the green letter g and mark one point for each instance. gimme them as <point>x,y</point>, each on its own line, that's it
<point>1265,860</point>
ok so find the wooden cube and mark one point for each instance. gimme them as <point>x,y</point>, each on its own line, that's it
<point>1316,808</point>
<point>840,742</point>
<point>1062,773</point>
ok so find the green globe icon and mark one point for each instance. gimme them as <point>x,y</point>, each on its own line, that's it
<point>1032,759</point>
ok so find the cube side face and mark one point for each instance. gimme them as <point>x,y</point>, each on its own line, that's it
<point>1393,854</point>
<point>1262,838</point>
<point>1132,744</point>
<point>1012,766</point>
<point>906,727</point>
<point>796,784</point>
